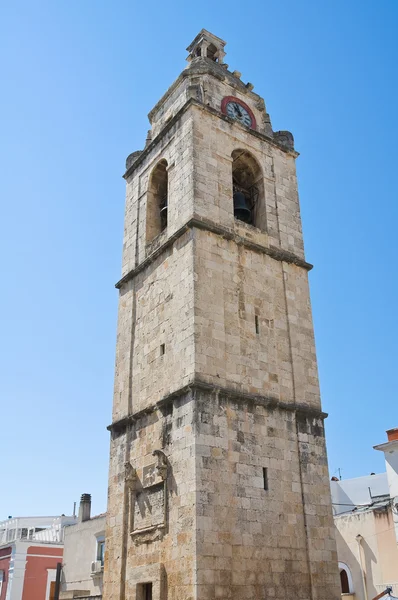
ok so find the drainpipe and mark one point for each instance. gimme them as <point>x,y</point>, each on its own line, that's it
<point>359,539</point>
<point>58,581</point>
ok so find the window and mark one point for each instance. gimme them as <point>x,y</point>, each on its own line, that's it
<point>345,588</point>
<point>157,201</point>
<point>212,52</point>
<point>144,591</point>
<point>345,579</point>
<point>248,189</point>
<point>265,478</point>
<point>1,580</point>
<point>100,550</point>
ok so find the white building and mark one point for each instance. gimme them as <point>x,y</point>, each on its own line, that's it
<point>39,529</point>
<point>390,450</point>
<point>83,562</point>
<point>31,551</point>
<point>365,515</point>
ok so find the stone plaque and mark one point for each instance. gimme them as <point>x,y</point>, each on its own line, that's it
<point>149,508</point>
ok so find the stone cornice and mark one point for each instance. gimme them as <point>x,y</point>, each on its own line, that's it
<point>256,399</point>
<point>194,102</point>
<point>225,232</point>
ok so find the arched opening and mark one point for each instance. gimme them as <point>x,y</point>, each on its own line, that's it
<point>345,579</point>
<point>212,52</point>
<point>157,201</point>
<point>248,189</point>
<point>345,586</point>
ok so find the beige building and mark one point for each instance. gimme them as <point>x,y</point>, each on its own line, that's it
<point>218,480</point>
<point>366,511</point>
<point>83,561</point>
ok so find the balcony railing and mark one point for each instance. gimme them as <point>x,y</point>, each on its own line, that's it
<point>380,587</point>
<point>47,530</point>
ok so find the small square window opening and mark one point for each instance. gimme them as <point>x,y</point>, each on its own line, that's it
<point>101,550</point>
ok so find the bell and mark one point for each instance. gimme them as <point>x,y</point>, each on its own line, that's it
<point>241,208</point>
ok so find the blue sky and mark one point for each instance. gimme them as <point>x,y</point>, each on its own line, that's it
<point>78,79</point>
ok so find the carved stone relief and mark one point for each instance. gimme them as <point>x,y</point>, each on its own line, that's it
<point>148,499</point>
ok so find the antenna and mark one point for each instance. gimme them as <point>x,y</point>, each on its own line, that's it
<point>74,509</point>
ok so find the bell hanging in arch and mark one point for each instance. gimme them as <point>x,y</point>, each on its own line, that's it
<point>241,208</point>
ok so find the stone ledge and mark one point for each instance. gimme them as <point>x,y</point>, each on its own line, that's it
<point>299,409</point>
<point>225,232</point>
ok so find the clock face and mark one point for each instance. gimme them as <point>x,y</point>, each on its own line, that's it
<point>239,111</point>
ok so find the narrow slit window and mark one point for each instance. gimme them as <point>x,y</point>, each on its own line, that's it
<point>265,478</point>
<point>257,324</point>
<point>162,349</point>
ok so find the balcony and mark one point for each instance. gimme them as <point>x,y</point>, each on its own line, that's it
<point>47,530</point>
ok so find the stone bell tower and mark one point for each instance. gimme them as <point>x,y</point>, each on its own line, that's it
<point>218,481</point>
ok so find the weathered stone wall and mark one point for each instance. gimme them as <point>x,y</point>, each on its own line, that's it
<point>314,475</point>
<point>225,535</point>
<point>214,90</point>
<point>252,542</point>
<point>214,141</point>
<point>168,106</point>
<point>176,147</point>
<point>234,285</point>
<point>209,83</point>
<point>165,556</point>
<point>155,309</point>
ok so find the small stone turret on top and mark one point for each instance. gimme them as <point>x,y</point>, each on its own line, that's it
<point>207,45</point>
